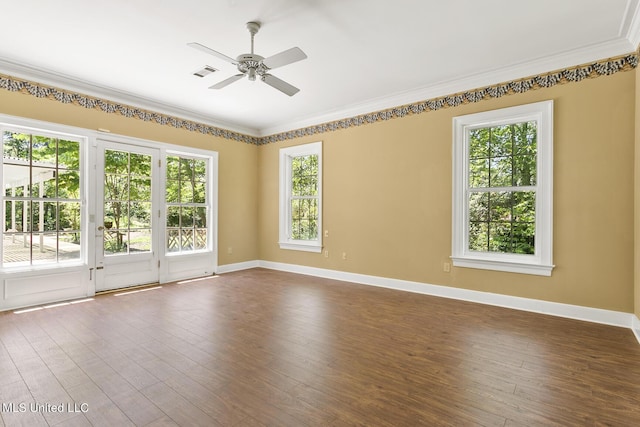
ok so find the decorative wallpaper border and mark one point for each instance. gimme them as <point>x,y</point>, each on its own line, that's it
<point>605,67</point>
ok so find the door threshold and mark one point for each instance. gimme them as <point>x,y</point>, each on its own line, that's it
<point>127,288</point>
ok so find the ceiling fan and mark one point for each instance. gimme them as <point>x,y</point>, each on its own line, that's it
<point>255,66</point>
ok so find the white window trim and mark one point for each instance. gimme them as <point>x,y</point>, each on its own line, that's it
<point>284,239</point>
<point>539,263</point>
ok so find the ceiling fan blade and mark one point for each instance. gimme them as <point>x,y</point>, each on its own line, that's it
<point>279,84</point>
<point>227,82</point>
<point>205,49</point>
<point>288,56</point>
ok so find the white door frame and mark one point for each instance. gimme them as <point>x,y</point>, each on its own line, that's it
<point>119,271</point>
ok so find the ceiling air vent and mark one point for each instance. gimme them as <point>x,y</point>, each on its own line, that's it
<point>205,71</point>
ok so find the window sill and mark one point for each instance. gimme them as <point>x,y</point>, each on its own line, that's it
<point>301,246</point>
<point>503,265</point>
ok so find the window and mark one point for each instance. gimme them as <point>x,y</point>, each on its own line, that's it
<point>187,204</point>
<point>301,197</point>
<point>502,194</point>
<point>41,198</point>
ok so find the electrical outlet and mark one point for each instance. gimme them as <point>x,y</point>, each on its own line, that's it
<point>344,255</point>
<point>326,233</point>
<point>229,250</point>
<point>326,253</point>
<point>446,267</point>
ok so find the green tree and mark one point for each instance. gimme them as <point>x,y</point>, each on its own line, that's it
<point>502,164</point>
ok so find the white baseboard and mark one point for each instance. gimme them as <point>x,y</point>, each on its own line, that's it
<point>589,314</point>
<point>228,268</point>
<point>635,327</point>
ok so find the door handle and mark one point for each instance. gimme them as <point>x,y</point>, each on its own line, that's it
<point>100,228</point>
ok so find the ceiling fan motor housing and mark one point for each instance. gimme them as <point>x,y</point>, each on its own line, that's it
<point>252,65</point>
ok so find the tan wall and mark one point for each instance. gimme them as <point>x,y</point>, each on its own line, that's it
<point>387,193</point>
<point>237,192</point>
<point>387,198</point>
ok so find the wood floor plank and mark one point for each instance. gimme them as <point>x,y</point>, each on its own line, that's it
<point>262,348</point>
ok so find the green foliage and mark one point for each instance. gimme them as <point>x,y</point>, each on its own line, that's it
<point>502,216</point>
<point>185,193</point>
<point>304,203</point>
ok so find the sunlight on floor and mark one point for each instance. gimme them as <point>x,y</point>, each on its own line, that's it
<point>59,304</point>
<point>136,291</point>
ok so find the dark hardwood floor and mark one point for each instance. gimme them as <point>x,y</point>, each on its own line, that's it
<point>261,347</point>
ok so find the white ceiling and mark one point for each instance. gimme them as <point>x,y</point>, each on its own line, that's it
<point>363,55</point>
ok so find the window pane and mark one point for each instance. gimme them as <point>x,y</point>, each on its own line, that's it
<point>140,240</point>
<point>115,242</point>
<point>44,216</point>
<point>478,173</point>
<point>68,184</point>
<point>500,237</point>
<point>16,215</point>
<point>140,164</point>
<point>173,191</point>
<point>116,162</point>
<point>116,213</point>
<point>479,143</point>
<point>68,155</point>
<point>186,169</point>
<point>116,187</point>
<point>16,147</point>
<point>479,236</point>
<point>173,167</point>
<point>16,249</point>
<point>69,216</point>
<point>200,238</point>
<point>200,170</point>
<point>186,242</point>
<point>140,214</point>
<point>200,217</point>
<point>200,192</point>
<point>43,151</point>
<point>173,216</point>
<point>501,173</point>
<point>186,192</point>
<point>15,179</point>
<point>524,206</point>
<point>69,246</point>
<point>525,138</point>
<point>173,240</point>
<point>140,189</point>
<point>501,142</point>
<point>524,170</point>
<point>524,238</point>
<point>479,207</point>
<point>186,217</point>
<point>500,206</point>
<point>45,177</point>
<point>44,248</point>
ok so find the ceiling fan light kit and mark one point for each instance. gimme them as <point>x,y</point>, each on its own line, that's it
<point>255,66</point>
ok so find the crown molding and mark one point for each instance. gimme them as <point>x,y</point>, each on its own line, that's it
<point>69,83</point>
<point>585,55</point>
<point>541,72</point>
<point>630,27</point>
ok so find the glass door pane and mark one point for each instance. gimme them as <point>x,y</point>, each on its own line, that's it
<point>127,202</point>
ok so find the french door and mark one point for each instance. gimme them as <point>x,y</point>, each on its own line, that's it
<point>128,228</point>
<point>85,212</point>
